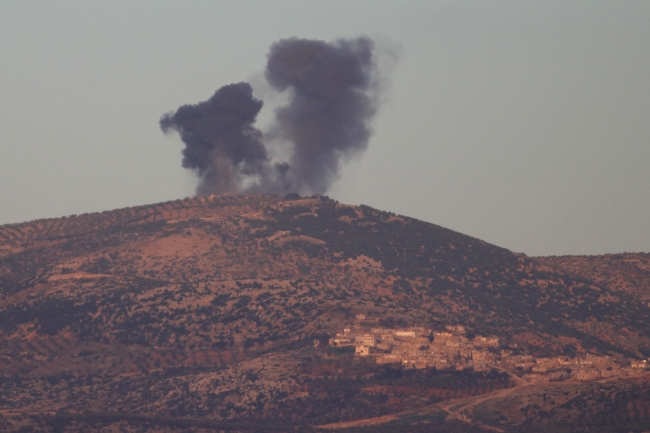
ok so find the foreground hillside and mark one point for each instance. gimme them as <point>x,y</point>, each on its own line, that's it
<point>203,314</point>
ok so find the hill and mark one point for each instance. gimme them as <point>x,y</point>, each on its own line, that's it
<point>202,313</point>
<point>628,272</point>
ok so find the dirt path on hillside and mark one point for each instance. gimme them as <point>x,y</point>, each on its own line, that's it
<point>365,422</point>
<point>17,413</point>
<point>454,408</point>
<point>458,409</point>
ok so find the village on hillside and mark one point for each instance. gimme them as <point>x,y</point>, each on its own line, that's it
<point>420,348</point>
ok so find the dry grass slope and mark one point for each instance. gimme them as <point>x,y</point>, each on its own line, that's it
<point>201,313</point>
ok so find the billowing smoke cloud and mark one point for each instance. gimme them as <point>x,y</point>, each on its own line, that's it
<point>332,99</point>
<point>221,144</point>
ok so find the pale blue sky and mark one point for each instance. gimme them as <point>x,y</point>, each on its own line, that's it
<point>526,124</point>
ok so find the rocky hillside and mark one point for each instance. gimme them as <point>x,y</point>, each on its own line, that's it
<point>206,310</point>
<point>629,272</point>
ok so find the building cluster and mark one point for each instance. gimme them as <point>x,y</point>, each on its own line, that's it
<point>419,347</point>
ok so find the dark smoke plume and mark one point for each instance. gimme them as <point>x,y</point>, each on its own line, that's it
<point>221,143</point>
<point>332,99</point>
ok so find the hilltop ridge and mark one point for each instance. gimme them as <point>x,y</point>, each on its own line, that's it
<point>208,308</point>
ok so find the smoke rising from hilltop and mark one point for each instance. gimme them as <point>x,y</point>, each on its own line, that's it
<point>221,143</point>
<point>333,96</point>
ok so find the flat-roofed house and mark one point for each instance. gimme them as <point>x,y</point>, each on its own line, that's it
<point>362,350</point>
<point>365,340</point>
<point>642,363</point>
<point>404,333</point>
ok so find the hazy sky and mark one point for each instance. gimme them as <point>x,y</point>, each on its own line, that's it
<point>523,123</point>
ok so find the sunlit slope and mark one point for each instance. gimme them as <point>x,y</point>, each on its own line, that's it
<point>239,275</point>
